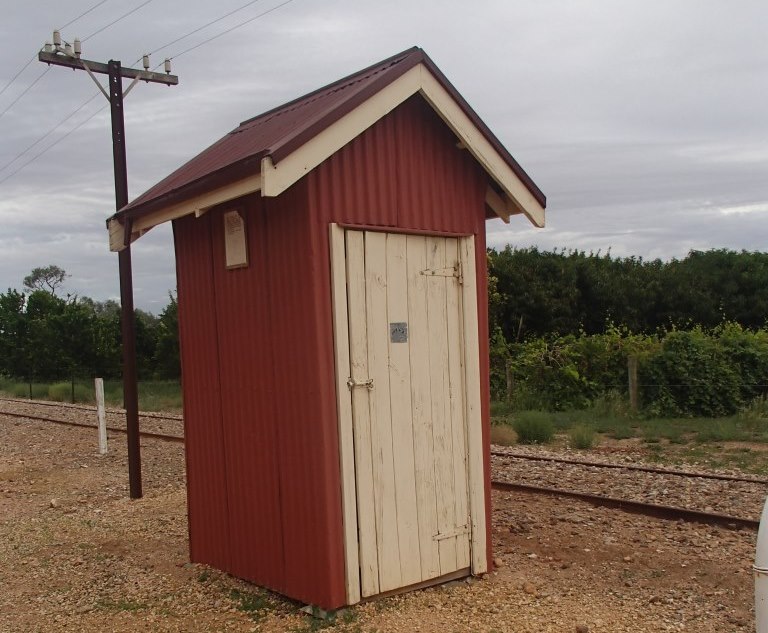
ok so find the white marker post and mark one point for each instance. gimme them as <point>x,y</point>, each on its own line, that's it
<point>101,415</point>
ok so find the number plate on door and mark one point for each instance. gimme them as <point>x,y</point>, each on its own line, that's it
<point>398,332</point>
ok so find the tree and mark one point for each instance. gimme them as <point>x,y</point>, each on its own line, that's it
<point>47,278</point>
<point>15,358</point>
<point>167,364</point>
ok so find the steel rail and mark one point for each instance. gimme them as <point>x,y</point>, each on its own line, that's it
<point>86,407</point>
<point>156,436</point>
<point>645,469</point>
<point>634,507</point>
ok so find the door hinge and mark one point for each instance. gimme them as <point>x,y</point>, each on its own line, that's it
<point>368,384</point>
<point>449,271</point>
<point>457,531</point>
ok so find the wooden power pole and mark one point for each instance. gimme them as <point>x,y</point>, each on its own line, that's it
<point>69,56</point>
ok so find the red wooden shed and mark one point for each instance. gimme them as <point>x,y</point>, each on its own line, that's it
<point>330,258</point>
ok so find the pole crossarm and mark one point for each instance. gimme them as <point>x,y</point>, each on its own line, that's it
<point>98,67</point>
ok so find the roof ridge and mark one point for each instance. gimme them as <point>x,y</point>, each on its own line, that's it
<point>344,81</point>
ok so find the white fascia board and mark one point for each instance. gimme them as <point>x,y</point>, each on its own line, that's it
<point>197,206</point>
<point>479,146</point>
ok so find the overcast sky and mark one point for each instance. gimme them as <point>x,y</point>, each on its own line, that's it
<point>644,122</point>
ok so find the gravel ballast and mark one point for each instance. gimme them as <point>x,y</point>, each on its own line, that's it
<point>78,555</point>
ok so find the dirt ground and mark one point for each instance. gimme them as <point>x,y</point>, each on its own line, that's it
<point>76,554</point>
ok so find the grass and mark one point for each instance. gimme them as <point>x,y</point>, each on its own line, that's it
<point>255,604</point>
<point>503,435</point>
<point>154,395</point>
<point>582,437</point>
<point>667,440</point>
<point>62,392</point>
<point>121,605</point>
<point>533,427</point>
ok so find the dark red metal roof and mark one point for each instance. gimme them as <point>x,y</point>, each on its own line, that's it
<point>280,131</point>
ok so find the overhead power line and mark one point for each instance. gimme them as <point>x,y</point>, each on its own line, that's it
<point>204,26</point>
<point>54,144</point>
<point>115,21</point>
<point>48,133</point>
<point>82,105</point>
<point>23,68</point>
<point>25,91</point>
<point>82,15</point>
<point>34,57</point>
<point>232,28</point>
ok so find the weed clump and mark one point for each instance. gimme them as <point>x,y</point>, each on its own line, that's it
<point>533,427</point>
<point>582,437</point>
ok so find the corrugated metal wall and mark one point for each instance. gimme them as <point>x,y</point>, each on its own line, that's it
<point>257,349</point>
<point>204,442</point>
<point>256,427</point>
<point>308,448</point>
<point>247,403</point>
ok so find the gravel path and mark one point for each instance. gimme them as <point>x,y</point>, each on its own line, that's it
<point>76,554</point>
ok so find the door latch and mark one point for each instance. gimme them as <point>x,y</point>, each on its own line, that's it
<point>368,384</point>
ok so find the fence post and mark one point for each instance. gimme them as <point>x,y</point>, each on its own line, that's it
<point>632,375</point>
<point>510,380</point>
<point>101,415</point>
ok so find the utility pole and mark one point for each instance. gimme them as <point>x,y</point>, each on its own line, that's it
<point>69,56</point>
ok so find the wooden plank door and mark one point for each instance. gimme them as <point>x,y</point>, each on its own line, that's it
<point>405,414</point>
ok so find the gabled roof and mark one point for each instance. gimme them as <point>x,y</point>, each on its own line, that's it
<point>270,152</point>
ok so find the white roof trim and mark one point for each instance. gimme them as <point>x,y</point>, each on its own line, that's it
<point>197,205</point>
<point>517,198</point>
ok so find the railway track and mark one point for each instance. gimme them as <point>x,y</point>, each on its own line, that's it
<point>112,429</point>
<point>86,407</point>
<point>636,507</point>
<point>664,511</point>
<point>630,467</point>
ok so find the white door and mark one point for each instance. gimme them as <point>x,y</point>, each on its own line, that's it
<point>404,386</point>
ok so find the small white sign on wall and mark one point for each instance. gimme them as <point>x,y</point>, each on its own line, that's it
<point>235,242</point>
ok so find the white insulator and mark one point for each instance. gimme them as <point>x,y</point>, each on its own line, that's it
<point>145,61</point>
<point>68,49</point>
<point>761,574</point>
<point>48,48</point>
<point>78,47</point>
<point>56,38</point>
<point>168,66</point>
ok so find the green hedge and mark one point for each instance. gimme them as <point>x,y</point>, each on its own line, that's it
<point>681,373</point>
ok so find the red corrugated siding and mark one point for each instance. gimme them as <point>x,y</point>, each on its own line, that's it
<point>406,172</point>
<point>204,443</point>
<point>304,377</point>
<point>277,481</point>
<point>247,403</point>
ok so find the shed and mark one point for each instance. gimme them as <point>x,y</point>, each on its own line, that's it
<point>332,290</point>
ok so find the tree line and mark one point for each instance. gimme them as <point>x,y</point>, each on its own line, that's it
<point>563,324</point>
<point>46,337</point>
<point>535,293</point>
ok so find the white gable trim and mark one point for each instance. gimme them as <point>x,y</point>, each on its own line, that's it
<point>517,199</point>
<point>197,205</point>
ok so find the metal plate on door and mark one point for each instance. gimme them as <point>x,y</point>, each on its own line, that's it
<point>398,332</point>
